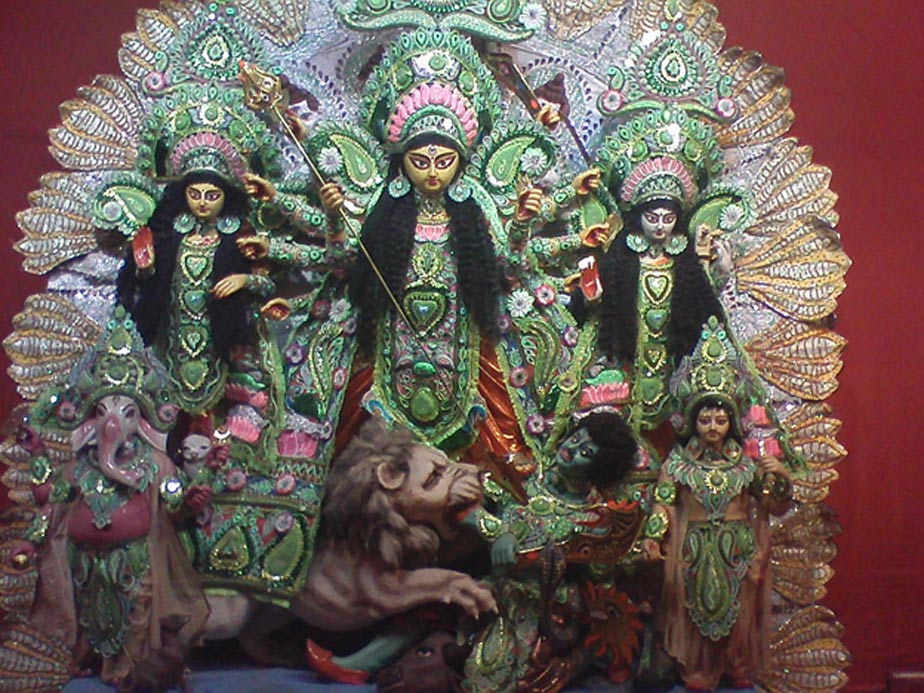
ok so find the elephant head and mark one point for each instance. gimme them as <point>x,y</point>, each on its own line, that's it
<point>113,428</point>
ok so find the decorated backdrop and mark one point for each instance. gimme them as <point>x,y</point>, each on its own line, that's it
<point>851,69</point>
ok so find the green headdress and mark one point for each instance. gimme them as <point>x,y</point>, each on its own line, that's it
<point>713,372</point>
<point>430,82</point>
<point>205,128</point>
<point>661,154</point>
<point>119,364</point>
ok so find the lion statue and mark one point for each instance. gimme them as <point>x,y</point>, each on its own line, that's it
<point>388,503</point>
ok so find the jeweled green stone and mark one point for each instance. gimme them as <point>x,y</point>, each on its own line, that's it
<point>656,319</point>
<point>192,373</point>
<point>424,405</point>
<point>424,369</point>
<point>437,61</point>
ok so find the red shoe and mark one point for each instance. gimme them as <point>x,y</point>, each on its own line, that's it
<point>321,661</point>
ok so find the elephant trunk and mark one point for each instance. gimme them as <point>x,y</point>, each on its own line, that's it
<point>111,439</point>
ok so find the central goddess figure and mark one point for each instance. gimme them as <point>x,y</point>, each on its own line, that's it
<point>449,310</point>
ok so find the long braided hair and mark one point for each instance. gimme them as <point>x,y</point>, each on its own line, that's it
<point>388,234</point>
<point>147,298</point>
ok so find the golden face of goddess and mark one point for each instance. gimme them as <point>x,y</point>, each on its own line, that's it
<point>431,168</point>
<point>205,201</point>
<point>712,426</point>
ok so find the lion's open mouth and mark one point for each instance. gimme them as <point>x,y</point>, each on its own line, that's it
<point>460,510</point>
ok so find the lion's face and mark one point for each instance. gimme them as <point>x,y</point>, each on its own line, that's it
<point>436,491</point>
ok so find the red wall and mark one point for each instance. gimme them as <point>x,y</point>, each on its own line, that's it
<point>855,69</point>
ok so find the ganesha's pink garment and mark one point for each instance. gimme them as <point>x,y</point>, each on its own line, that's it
<point>169,614</point>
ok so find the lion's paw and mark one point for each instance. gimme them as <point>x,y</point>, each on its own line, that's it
<point>473,597</point>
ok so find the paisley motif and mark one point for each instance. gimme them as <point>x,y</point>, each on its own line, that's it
<point>717,557</point>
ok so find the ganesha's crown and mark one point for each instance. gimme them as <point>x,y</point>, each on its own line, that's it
<point>119,364</point>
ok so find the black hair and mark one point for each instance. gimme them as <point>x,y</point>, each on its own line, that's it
<point>388,236</point>
<point>734,428</point>
<point>617,447</point>
<point>148,297</point>
<point>693,300</point>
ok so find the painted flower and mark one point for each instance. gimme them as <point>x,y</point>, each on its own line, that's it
<point>235,480</point>
<point>545,295</point>
<point>344,6</point>
<point>340,378</point>
<point>167,412</point>
<point>731,217</point>
<point>320,309</point>
<point>349,327</point>
<point>519,303</point>
<point>536,424</point>
<point>520,376</point>
<point>296,444</point>
<point>287,443</point>
<point>611,101</point>
<point>339,310</point>
<point>283,522</point>
<point>330,161</point>
<point>615,628</point>
<point>504,323</point>
<point>533,16</point>
<point>67,411</point>
<point>570,336</point>
<point>295,353</point>
<point>111,211</point>
<point>533,161</point>
<point>568,383</point>
<point>155,81</point>
<point>726,107</point>
<point>285,484</point>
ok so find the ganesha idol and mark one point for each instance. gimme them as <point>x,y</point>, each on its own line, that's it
<point>114,581</point>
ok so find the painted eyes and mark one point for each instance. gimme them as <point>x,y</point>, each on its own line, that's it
<point>210,195</point>
<point>441,163</point>
<point>652,218</point>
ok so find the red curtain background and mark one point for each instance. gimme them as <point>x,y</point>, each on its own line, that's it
<point>855,69</point>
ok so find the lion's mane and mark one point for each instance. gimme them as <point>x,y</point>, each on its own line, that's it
<point>357,511</point>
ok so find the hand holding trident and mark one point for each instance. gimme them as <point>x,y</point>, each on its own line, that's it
<point>265,93</point>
